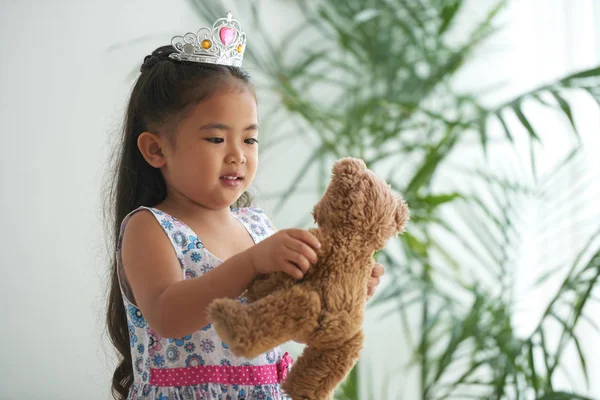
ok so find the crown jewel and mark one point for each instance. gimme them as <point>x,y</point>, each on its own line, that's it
<point>224,44</point>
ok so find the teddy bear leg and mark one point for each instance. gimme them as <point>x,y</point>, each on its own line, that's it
<point>334,328</point>
<point>317,372</point>
<point>257,328</point>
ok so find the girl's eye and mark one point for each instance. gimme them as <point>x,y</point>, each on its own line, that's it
<point>251,141</point>
<point>215,140</point>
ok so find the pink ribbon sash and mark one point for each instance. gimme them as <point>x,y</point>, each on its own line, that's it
<point>222,374</point>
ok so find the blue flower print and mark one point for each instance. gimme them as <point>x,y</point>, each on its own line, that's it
<point>207,327</point>
<point>178,223</point>
<point>224,345</point>
<point>190,273</point>
<point>162,397</point>
<point>242,395</point>
<point>195,243</point>
<point>260,394</point>
<point>158,360</point>
<point>166,224</point>
<point>257,229</point>
<point>180,239</point>
<point>157,211</point>
<point>132,336</point>
<point>189,347</point>
<point>139,364</point>
<point>140,348</point>
<point>205,268</point>
<point>255,218</point>
<point>225,363</point>
<point>207,346</point>
<point>154,342</point>
<point>180,342</point>
<point>257,210</point>
<point>270,225</point>
<point>145,376</point>
<point>172,353</point>
<point>194,360</point>
<point>136,317</point>
<point>196,257</point>
<point>271,357</point>
<point>245,219</point>
<point>146,390</point>
<point>188,393</point>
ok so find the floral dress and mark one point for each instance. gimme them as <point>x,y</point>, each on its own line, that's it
<point>199,365</point>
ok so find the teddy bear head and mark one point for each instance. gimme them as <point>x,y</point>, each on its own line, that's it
<point>360,205</point>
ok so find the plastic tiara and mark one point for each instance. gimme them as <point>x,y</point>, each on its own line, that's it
<point>223,44</point>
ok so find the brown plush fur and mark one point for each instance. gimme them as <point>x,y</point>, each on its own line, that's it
<point>356,216</point>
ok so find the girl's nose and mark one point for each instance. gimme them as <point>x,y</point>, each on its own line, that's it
<point>235,156</point>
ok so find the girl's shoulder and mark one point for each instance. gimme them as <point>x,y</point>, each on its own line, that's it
<point>135,221</point>
<point>138,218</point>
<point>151,224</point>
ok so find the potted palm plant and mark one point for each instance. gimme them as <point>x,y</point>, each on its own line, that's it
<point>376,83</point>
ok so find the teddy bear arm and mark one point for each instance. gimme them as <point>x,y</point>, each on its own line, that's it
<point>250,330</point>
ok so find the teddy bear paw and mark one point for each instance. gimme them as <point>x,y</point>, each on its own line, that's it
<point>233,325</point>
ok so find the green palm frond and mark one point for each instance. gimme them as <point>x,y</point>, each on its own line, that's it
<point>375,81</point>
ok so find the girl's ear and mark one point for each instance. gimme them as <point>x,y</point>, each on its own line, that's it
<point>151,146</point>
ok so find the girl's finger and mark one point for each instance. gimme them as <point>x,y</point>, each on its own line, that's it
<point>302,248</point>
<point>293,271</point>
<point>373,283</point>
<point>378,270</point>
<point>298,260</point>
<point>306,237</point>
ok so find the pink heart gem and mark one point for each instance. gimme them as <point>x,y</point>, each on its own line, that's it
<point>227,35</point>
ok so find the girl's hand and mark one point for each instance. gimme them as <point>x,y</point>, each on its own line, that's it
<point>289,250</point>
<point>376,273</point>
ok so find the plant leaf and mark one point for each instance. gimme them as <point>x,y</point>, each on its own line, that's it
<point>449,11</point>
<point>563,396</point>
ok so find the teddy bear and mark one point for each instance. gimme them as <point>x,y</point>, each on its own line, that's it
<point>324,310</point>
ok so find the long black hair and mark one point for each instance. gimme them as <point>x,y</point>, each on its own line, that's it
<point>161,95</point>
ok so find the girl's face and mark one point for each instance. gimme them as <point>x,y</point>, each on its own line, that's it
<point>215,152</point>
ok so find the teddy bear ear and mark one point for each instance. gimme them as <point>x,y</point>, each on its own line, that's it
<point>402,214</point>
<point>349,166</point>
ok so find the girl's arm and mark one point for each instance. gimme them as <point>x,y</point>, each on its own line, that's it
<point>174,307</point>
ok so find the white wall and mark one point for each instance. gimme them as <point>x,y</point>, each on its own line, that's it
<point>62,89</point>
<point>62,93</point>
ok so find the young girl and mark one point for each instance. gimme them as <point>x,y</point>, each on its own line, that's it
<point>184,231</point>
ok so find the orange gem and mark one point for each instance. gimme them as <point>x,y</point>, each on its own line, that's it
<point>206,44</point>
<point>240,48</point>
